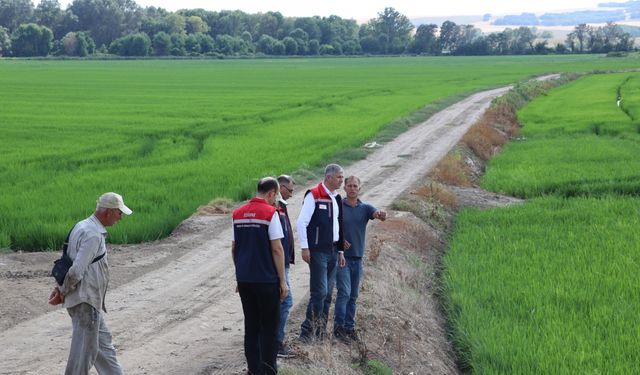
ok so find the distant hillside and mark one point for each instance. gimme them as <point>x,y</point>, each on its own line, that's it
<point>562,19</point>
<point>633,30</point>
<point>624,11</point>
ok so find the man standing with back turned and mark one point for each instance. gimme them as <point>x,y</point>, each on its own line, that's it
<point>321,238</point>
<point>84,288</point>
<point>356,217</point>
<point>259,260</point>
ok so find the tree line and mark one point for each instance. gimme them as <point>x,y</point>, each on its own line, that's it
<point>122,27</point>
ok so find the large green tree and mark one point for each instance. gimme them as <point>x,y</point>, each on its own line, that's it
<point>449,36</point>
<point>48,13</point>
<point>195,24</point>
<point>425,40</point>
<point>269,24</point>
<point>396,27</point>
<point>309,25</point>
<point>335,29</point>
<point>31,40</point>
<point>161,44</point>
<point>107,19</point>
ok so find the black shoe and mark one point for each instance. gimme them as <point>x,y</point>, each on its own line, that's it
<point>284,352</point>
<point>352,335</point>
<point>341,334</point>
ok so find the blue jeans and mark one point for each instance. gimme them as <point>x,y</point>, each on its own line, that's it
<point>285,307</point>
<point>322,270</point>
<point>348,281</point>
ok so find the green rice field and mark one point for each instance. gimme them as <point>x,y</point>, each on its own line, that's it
<point>173,135</point>
<point>578,141</point>
<point>551,286</point>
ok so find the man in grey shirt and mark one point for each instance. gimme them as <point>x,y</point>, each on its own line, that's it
<point>84,289</point>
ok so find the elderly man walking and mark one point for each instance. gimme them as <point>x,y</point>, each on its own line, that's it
<point>321,238</point>
<point>84,288</point>
<point>259,261</point>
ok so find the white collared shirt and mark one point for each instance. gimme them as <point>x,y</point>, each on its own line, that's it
<point>308,208</point>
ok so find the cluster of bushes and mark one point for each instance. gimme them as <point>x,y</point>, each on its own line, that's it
<point>34,40</point>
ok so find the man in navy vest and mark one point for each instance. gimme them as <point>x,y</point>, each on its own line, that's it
<point>286,191</point>
<point>259,260</point>
<point>322,241</point>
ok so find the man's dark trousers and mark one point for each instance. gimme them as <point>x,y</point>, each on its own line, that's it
<point>261,307</point>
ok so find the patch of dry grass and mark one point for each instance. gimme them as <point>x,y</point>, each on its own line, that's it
<point>438,192</point>
<point>484,139</point>
<point>217,206</point>
<point>452,170</point>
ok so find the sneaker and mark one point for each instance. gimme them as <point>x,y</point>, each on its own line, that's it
<point>284,352</point>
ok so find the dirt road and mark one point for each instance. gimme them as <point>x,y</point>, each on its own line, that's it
<point>172,305</point>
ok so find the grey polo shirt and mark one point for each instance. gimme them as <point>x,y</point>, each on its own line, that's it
<point>355,220</point>
<point>86,282</point>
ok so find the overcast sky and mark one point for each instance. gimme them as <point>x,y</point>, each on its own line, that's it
<point>366,9</point>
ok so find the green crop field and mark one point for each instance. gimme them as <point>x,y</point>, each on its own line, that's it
<point>173,135</point>
<point>550,286</point>
<point>578,141</point>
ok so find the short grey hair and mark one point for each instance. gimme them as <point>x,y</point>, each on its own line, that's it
<point>332,170</point>
<point>286,179</point>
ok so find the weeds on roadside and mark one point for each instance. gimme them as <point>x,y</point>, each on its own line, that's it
<point>436,192</point>
<point>453,170</point>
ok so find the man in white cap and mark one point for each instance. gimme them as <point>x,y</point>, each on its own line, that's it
<point>84,289</point>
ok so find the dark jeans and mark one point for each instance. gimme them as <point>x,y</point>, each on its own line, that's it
<point>261,307</point>
<point>322,269</point>
<point>348,283</point>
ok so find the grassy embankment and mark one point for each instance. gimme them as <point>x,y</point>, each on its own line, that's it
<point>551,286</point>
<point>172,135</point>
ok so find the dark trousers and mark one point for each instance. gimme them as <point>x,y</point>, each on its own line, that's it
<point>261,307</point>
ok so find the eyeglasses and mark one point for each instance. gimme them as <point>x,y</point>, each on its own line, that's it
<point>289,190</point>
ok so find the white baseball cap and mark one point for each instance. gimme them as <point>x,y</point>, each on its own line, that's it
<point>113,200</point>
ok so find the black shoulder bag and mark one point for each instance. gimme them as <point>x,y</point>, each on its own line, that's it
<point>61,266</point>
